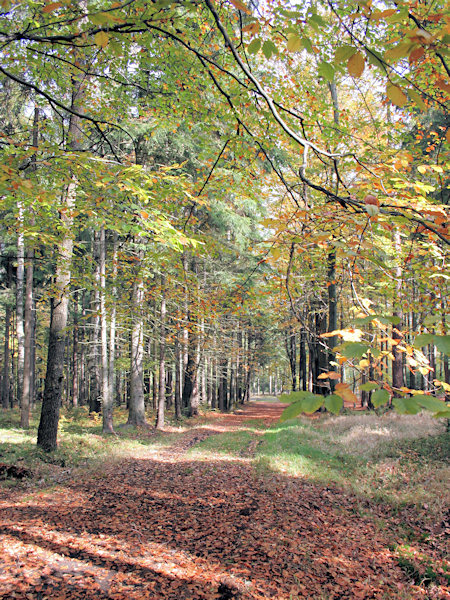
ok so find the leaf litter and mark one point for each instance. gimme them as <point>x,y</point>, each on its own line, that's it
<point>175,527</point>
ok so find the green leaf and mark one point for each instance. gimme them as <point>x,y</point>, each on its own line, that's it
<point>353,349</point>
<point>385,319</point>
<point>326,71</point>
<point>442,343</point>
<point>417,99</point>
<point>302,402</point>
<point>318,20</point>
<point>423,340</point>
<point>254,46</point>
<point>269,48</point>
<point>380,397</point>
<point>312,403</point>
<point>430,402</point>
<point>334,403</point>
<point>307,44</point>
<point>343,53</point>
<point>295,396</point>
<point>292,411</point>
<point>443,414</point>
<point>100,18</point>
<point>368,387</point>
<point>406,406</point>
<point>375,59</point>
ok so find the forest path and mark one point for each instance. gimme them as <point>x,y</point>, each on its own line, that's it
<point>172,525</point>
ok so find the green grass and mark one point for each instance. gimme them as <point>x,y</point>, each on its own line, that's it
<point>80,443</point>
<point>402,461</point>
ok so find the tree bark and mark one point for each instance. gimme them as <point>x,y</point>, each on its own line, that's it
<point>162,360</point>
<point>48,424</point>
<point>136,415</point>
<point>27,390</point>
<point>107,399</point>
<point>6,349</point>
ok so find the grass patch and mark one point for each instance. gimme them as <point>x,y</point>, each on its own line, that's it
<point>232,444</point>
<point>80,443</point>
<point>421,568</point>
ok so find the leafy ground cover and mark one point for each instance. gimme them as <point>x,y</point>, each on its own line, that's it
<point>231,506</point>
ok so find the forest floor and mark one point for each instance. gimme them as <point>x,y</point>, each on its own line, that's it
<point>232,506</point>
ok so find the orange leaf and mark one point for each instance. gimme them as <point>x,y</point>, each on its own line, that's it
<point>416,54</point>
<point>343,390</point>
<point>443,85</point>
<point>240,6</point>
<point>356,64</point>
<point>329,375</point>
<point>51,7</point>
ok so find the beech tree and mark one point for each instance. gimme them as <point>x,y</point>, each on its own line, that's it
<point>171,126</point>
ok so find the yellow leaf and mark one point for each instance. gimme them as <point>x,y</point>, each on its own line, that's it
<point>101,39</point>
<point>294,43</point>
<point>276,253</point>
<point>240,6</point>
<point>396,95</point>
<point>355,64</point>
<point>364,363</point>
<point>51,7</point>
<point>422,168</point>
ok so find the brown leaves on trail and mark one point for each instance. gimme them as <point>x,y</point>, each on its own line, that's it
<point>185,529</point>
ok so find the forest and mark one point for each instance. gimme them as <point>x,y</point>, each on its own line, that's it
<point>223,263</point>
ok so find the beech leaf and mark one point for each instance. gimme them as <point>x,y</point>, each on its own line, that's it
<point>356,64</point>
<point>396,95</point>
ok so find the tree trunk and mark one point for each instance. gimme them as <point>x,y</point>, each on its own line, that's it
<point>27,390</point>
<point>107,399</point>
<point>136,415</point>
<point>6,349</point>
<point>20,272</point>
<point>94,343</point>
<point>48,425</point>
<point>162,360</point>
<point>397,363</point>
<point>113,321</point>
<point>75,357</point>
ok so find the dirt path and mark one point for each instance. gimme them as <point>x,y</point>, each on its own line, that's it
<point>171,527</point>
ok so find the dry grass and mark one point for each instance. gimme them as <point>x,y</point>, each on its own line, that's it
<point>363,434</point>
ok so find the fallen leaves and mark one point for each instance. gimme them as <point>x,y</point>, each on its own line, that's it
<point>171,527</point>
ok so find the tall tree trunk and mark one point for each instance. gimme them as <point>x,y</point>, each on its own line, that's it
<point>6,349</point>
<point>94,344</point>
<point>136,415</point>
<point>20,272</point>
<point>48,424</point>
<point>162,360</point>
<point>75,351</point>
<point>107,399</point>
<point>27,390</point>
<point>302,367</point>
<point>178,373</point>
<point>113,320</point>
<point>397,363</point>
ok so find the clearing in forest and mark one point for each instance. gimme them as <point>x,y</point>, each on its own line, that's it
<point>239,506</point>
